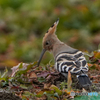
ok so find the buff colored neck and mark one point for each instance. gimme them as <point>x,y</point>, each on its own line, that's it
<point>59,47</point>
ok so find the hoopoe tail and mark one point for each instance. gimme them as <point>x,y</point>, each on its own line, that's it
<point>84,80</point>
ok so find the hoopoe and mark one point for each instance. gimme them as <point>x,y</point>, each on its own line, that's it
<point>66,57</point>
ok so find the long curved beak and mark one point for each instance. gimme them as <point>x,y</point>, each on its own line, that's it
<point>42,53</point>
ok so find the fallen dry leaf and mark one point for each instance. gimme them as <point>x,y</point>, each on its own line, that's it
<point>69,81</point>
<point>83,90</point>
<point>47,85</point>
<point>42,98</point>
<point>16,68</point>
<point>32,75</point>
<point>56,89</point>
<point>43,74</point>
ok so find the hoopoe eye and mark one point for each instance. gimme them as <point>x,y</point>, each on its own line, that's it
<point>47,43</point>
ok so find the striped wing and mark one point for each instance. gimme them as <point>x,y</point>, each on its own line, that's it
<point>75,62</point>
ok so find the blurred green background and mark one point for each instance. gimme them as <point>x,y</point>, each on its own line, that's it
<point>23,24</point>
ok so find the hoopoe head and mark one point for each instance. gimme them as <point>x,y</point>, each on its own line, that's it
<point>49,39</point>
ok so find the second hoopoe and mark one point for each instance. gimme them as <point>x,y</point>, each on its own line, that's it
<point>66,57</point>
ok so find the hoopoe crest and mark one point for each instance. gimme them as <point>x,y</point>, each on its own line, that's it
<point>50,37</point>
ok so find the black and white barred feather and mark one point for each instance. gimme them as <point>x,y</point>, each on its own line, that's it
<point>74,62</point>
